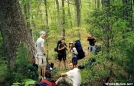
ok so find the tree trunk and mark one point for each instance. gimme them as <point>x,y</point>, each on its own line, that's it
<point>59,20</point>
<point>78,12</point>
<point>69,14</point>
<point>63,18</point>
<point>78,15</point>
<point>98,4</point>
<point>14,30</point>
<point>27,12</point>
<point>47,27</point>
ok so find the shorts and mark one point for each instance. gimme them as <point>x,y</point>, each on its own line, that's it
<point>40,60</point>
<point>61,57</point>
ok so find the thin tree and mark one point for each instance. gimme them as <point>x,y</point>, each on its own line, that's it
<point>78,15</point>
<point>59,20</point>
<point>47,26</point>
<point>63,18</point>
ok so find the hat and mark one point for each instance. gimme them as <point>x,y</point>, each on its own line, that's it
<point>70,42</point>
<point>42,32</point>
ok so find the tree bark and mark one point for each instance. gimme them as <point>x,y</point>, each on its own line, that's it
<point>69,13</point>
<point>78,12</point>
<point>14,30</point>
<point>59,20</point>
<point>98,4</point>
<point>47,27</point>
<point>63,18</point>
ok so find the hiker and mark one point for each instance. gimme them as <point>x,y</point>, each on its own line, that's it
<point>74,53</point>
<point>62,47</point>
<point>40,58</point>
<point>92,41</point>
<point>70,78</point>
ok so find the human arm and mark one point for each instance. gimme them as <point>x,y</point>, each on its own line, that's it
<point>63,74</point>
<point>60,47</point>
<point>74,51</point>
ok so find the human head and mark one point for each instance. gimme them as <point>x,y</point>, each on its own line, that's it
<point>71,44</point>
<point>62,40</point>
<point>42,34</point>
<point>71,66</point>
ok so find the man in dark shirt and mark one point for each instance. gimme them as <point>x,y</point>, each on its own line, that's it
<point>62,53</point>
<point>91,43</point>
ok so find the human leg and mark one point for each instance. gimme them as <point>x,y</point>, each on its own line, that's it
<point>91,49</point>
<point>38,61</point>
<point>59,58</point>
<point>64,80</point>
<point>44,66</point>
<point>64,60</point>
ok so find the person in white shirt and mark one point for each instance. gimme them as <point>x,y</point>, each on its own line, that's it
<point>70,78</point>
<point>74,52</point>
<point>40,58</point>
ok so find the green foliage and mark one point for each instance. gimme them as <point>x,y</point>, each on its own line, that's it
<point>23,69</point>
<point>109,26</point>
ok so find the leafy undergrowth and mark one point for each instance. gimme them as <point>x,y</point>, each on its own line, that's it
<point>3,69</point>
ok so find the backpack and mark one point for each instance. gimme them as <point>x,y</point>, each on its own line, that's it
<point>48,82</point>
<point>41,84</point>
<point>81,53</point>
<point>56,48</point>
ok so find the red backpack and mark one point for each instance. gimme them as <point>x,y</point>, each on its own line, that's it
<point>48,82</point>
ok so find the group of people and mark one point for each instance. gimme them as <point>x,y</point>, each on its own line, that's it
<point>72,77</point>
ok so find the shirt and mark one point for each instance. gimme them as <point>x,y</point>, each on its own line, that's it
<point>91,41</point>
<point>75,76</point>
<point>39,44</point>
<point>75,52</point>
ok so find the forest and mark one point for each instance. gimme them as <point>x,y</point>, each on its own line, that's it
<point>110,21</point>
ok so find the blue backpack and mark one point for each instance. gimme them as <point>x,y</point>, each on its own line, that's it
<point>41,84</point>
<point>81,53</point>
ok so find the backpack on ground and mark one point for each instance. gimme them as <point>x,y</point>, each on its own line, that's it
<point>48,82</point>
<point>81,53</point>
<point>42,84</point>
<point>56,48</point>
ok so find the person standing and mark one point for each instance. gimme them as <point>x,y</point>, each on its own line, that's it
<point>62,53</point>
<point>92,41</point>
<point>74,53</point>
<point>70,78</point>
<point>40,58</point>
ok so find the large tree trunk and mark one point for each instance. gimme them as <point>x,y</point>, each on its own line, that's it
<point>14,29</point>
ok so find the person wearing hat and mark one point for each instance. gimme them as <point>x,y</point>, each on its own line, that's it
<point>74,53</point>
<point>40,58</point>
